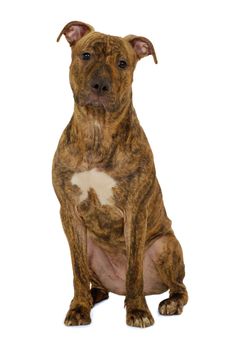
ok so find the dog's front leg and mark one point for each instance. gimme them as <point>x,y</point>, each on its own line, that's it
<point>79,312</point>
<point>138,313</point>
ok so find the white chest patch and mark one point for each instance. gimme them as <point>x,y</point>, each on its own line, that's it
<point>101,183</point>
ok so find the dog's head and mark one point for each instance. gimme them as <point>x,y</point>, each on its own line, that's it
<point>102,66</point>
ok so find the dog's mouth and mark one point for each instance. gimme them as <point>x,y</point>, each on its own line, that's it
<point>96,101</point>
<point>107,102</point>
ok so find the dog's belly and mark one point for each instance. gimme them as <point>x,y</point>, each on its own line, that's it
<point>109,267</point>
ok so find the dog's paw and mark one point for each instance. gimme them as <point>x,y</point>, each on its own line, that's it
<point>98,295</point>
<point>170,306</point>
<point>78,316</point>
<point>139,318</point>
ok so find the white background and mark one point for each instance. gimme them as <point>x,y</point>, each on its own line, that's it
<point>185,106</point>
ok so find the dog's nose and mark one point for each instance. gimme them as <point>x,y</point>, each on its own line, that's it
<point>100,86</point>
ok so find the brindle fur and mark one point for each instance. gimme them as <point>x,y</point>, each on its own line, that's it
<point>106,135</point>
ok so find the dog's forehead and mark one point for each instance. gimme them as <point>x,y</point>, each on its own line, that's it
<point>104,44</point>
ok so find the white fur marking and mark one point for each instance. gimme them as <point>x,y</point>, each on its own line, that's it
<point>101,182</point>
<point>97,124</point>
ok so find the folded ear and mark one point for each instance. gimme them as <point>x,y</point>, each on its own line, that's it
<point>74,31</point>
<point>142,46</point>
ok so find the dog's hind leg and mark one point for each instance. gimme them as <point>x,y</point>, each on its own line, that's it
<point>170,266</point>
<point>98,291</point>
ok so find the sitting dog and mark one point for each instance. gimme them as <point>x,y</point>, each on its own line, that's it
<point>112,210</point>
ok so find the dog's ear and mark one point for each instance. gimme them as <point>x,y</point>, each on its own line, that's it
<point>142,46</point>
<point>74,31</point>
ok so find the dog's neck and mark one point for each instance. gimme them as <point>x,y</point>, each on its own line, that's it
<point>98,135</point>
<point>89,123</point>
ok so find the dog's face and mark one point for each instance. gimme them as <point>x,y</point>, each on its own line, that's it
<point>101,71</point>
<point>102,66</point>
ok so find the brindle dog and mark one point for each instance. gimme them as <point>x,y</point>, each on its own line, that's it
<point>112,210</point>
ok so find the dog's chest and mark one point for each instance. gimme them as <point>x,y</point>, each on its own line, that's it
<point>99,181</point>
<point>97,204</point>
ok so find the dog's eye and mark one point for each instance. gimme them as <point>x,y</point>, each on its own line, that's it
<point>122,64</point>
<point>86,56</point>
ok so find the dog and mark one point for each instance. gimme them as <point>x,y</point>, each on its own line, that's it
<point>112,210</point>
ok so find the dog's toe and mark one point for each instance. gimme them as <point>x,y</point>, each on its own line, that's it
<point>170,307</point>
<point>78,316</point>
<point>139,318</point>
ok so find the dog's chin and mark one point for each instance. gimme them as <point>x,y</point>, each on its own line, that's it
<point>105,103</point>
